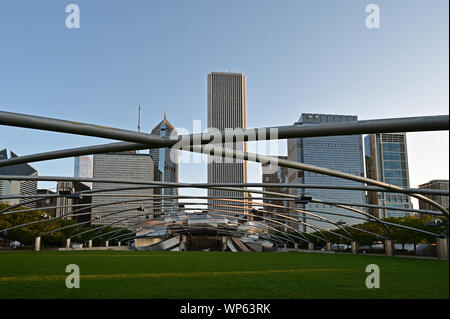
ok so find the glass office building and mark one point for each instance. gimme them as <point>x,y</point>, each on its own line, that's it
<point>340,153</point>
<point>387,161</point>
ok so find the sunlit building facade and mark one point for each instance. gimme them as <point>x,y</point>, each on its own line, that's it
<point>123,166</point>
<point>83,168</point>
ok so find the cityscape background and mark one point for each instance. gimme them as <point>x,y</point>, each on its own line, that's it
<point>298,57</point>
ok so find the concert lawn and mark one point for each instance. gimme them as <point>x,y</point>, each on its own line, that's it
<point>136,274</point>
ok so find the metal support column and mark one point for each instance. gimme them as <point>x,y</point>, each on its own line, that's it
<point>37,244</point>
<point>442,248</point>
<point>183,240</point>
<point>388,247</point>
<point>354,247</point>
<point>224,243</point>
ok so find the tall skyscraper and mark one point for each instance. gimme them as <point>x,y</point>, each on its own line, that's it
<point>83,168</point>
<point>125,166</point>
<point>227,109</point>
<point>166,166</point>
<point>48,202</point>
<point>387,161</point>
<point>17,187</point>
<point>441,184</point>
<point>340,153</point>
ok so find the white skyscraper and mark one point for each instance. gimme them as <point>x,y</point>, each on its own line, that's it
<point>83,167</point>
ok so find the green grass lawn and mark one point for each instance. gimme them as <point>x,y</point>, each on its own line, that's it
<point>133,274</point>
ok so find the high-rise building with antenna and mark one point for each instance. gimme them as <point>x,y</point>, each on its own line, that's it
<point>139,123</point>
<point>166,165</point>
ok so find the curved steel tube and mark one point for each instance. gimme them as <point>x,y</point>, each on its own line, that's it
<point>227,212</point>
<point>423,191</point>
<point>362,213</point>
<point>256,204</point>
<point>272,237</point>
<point>86,222</point>
<point>218,230</point>
<point>146,141</point>
<point>287,217</point>
<point>196,185</point>
<point>406,124</point>
<point>323,219</point>
<point>218,150</point>
<point>130,217</point>
<point>223,214</point>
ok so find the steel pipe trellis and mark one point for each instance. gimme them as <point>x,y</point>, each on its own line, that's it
<point>194,141</point>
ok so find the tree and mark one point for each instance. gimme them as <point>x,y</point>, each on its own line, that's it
<point>26,234</point>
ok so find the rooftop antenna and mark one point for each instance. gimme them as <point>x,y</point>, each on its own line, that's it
<point>139,119</point>
<point>229,70</point>
<point>139,122</point>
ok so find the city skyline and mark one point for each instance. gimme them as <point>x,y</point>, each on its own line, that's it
<point>212,158</point>
<point>291,55</point>
<point>47,185</point>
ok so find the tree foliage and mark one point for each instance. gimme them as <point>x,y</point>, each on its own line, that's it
<point>398,235</point>
<point>26,234</point>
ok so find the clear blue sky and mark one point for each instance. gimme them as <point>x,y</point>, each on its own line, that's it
<point>298,56</point>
